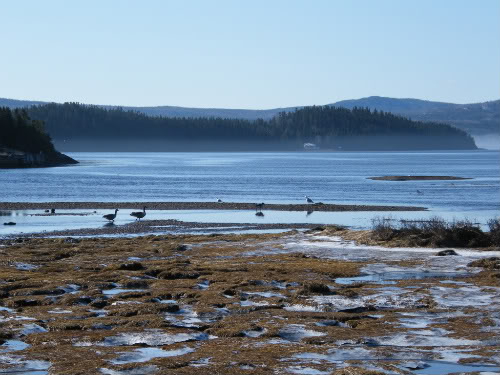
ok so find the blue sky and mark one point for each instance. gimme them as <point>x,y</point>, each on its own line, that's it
<point>249,54</point>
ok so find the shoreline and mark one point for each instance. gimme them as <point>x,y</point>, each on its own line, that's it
<point>202,206</point>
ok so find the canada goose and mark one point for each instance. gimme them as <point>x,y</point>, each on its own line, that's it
<point>111,217</point>
<point>139,214</point>
<point>308,200</point>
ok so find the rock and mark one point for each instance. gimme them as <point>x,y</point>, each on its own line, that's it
<point>71,240</point>
<point>26,302</point>
<point>359,309</point>
<point>415,365</point>
<point>316,288</point>
<point>99,303</point>
<point>169,275</point>
<point>9,223</point>
<point>134,266</point>
<point>136,284</point>
<point>182,247</point>
<point>446,252</point>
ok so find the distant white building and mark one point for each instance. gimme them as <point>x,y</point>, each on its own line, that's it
<point>311,146</point>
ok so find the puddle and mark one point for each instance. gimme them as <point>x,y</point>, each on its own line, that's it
<point>339,355</point>
<point>146,370</point>
<point>428,338</point>
<point>29,329</point>
<point>441,368</point>
<point>203,285</point>
<point>296,332</point>
<point>263,294</point>
<point>13,346</point>
<point>152,337</point>
<point>252,303</point>
<point>255,332</point>
<point>304,308</point>
<point>115,291</point>
<point>306,371</point>
<point>391,277</point>
<point>25,266</point>
<point>25,367</point>
<point>59,311</point>
<point>147,354</point>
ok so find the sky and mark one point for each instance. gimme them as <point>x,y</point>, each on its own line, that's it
<point>249,54</point>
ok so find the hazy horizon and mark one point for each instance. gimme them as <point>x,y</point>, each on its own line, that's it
<point>240,108</point>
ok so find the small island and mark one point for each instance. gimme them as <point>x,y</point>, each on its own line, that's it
<point>25,144</point>
<point>418,178</point>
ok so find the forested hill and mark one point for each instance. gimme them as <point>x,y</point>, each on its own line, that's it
<point>24,142</point>
<point>476,119</point>
<point>89,128</point>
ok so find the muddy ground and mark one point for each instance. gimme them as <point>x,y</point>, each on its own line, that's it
<point>318,206</point>
<point>241,304</point>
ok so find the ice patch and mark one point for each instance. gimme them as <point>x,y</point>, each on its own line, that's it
<point>152,337</point>
<point>306,371</point>
<point>296,332</point>
<point>146,370</point>
<point>147,354</point>
<point>255,332</point>
<point>25,266</point>
<point>425,339</point>
<point>305,308</point>
<point>442,368</point>
<point>115,291</point>
<point>13,346</point>
<point>29,329</point>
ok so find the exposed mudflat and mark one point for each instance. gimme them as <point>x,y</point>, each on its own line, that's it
<point>202,205</point>
<point>159,226</point>
<point>418,178</point>
<point>293,303</point>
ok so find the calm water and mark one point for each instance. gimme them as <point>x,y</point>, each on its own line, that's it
<point>271,178</point>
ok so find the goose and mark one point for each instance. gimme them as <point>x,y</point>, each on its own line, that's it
<point>111,217</point>
<point>139,214</point>
<point>308,200</point>
<point>258,209</point>
<point>219,200</point>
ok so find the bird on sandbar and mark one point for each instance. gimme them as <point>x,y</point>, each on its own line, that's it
<point>308,200</point>
<point>258,209</point>
<point>219,200</point>
<point>139,214</point>
<point>111,217</point>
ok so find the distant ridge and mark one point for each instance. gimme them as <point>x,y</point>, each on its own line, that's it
<point>476,118</point>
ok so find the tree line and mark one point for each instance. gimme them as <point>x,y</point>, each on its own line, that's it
<point>18,131</point>
<point>326,126</point>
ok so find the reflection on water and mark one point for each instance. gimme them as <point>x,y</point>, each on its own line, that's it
<point>34,221</point>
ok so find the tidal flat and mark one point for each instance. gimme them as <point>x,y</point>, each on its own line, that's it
<point>290,303</point>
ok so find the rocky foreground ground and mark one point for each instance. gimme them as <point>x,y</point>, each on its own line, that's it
<point>290,303</point>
